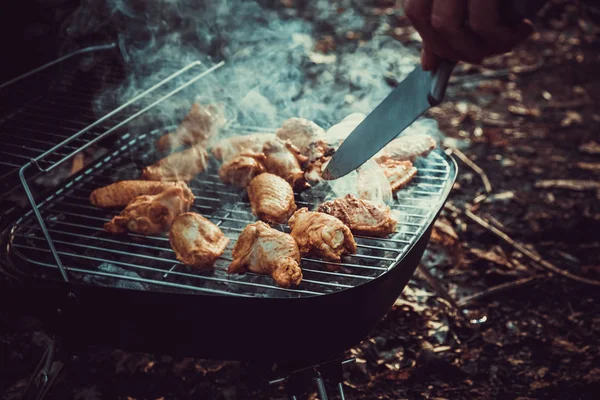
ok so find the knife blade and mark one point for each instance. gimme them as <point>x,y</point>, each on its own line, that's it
<point>418,92</point>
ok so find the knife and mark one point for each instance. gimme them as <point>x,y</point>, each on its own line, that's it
<point>418,92</point>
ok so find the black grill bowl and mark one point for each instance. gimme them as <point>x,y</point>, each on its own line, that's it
<point>307,329</point>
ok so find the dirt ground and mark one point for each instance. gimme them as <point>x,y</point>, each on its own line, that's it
<point>528,124</point>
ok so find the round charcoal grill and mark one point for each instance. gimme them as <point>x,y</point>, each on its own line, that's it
<point>130,292</point>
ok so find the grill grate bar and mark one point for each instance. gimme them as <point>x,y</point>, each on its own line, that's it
<point>221,220</point>
<point>175,273</point>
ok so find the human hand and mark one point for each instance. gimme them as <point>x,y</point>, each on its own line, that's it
<point>462,30</point>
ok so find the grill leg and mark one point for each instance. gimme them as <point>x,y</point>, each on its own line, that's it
<point>341,391</point>
<point>321,390</point>
<point>298,381</point>
<point>44,375</point>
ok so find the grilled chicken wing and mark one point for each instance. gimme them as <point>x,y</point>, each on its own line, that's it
<point>361,216</point>
<point>300,132</point>
<point>283,159</point>
<point>241,169</point>
<point>227,148</point>
<point>407,148</point>
<point>399,173</point>
<point>319,154</point>
<point>321,235</point>
<point>198,127</point>
<point>121,193</point>
<point>181,166</point>
<point>152,214</point>
<point>264,250</point>
<point>196,241</point>
<point>271,198</point>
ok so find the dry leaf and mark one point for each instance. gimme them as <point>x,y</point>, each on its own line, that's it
<point>595,167</point>
<point>571,118</point>
<point>522,110</point>
<point>566,345</point>
<point>590,148</point>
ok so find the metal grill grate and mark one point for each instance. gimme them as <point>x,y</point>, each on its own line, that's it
<point>92,255</point>
<point>56,102</point>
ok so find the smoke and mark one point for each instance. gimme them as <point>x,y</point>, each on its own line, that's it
<point>272,70</point>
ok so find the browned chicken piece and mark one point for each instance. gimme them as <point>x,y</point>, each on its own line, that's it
<point>119,194</point>
<point>152,214</point>
<point>300,132</point>
<point>198,127</point>
<point>170,141</point>
<point>407,148</point>
<point>181,166</point>
<point>271,198</point>
<point>283,159</point>
<point>321,235</point>
<point>196,241</point>
<point>241,169</point>
<point>399,173</point>
<point>264,250</point>
<point>319,154</point>
<point>227,148</point>
<point>363,217</point>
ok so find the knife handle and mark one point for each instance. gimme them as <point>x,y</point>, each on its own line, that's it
<point>439,82</point>
<point>511,13</point>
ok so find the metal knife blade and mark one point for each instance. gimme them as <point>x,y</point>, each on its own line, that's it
<point>409,100</point>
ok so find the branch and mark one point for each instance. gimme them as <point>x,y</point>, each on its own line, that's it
<point>494,290</point>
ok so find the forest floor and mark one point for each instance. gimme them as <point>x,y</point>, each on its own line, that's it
<point>525,124</point>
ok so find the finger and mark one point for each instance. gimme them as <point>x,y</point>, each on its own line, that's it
<point>429,61</point>
<point>484,21</point>
<point>419,14</point>
<point>448,21</point>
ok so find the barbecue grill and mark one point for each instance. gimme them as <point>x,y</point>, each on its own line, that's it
<point>129,291</point>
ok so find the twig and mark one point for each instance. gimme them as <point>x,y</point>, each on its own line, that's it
<point>494,290</point>
<point>521,248</point>
<point>442,292</point>
<point>486,182</point>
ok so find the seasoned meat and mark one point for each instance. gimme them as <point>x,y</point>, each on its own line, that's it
<point>198,127</point>
<point>407,148</point>
<point>271,198</point>
<point>196,241</point>
<point>283,159</point>
<point>300,132</point>
<point>227,148</point>
<point>181,166</point>
<point>361,216</point>
<point>321,235</point>
<point>319,154</point>
<point>399,173</point>
<point>152,214</point>
<point>241,169</point>
<point>263,250</point>
<point>119,194</point>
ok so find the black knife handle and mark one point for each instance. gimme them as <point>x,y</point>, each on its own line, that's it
<point>511,13</point>
<point>439,82</point>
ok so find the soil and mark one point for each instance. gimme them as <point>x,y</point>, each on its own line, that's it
<point>530,121</point>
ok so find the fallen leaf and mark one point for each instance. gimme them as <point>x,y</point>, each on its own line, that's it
<point>590,148</point>
<point>566,345</point>
<point>538,385</point>
<point>522,110</point>
<point>571,184</point>
<point>571,118</point>
<point>592,376</point>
